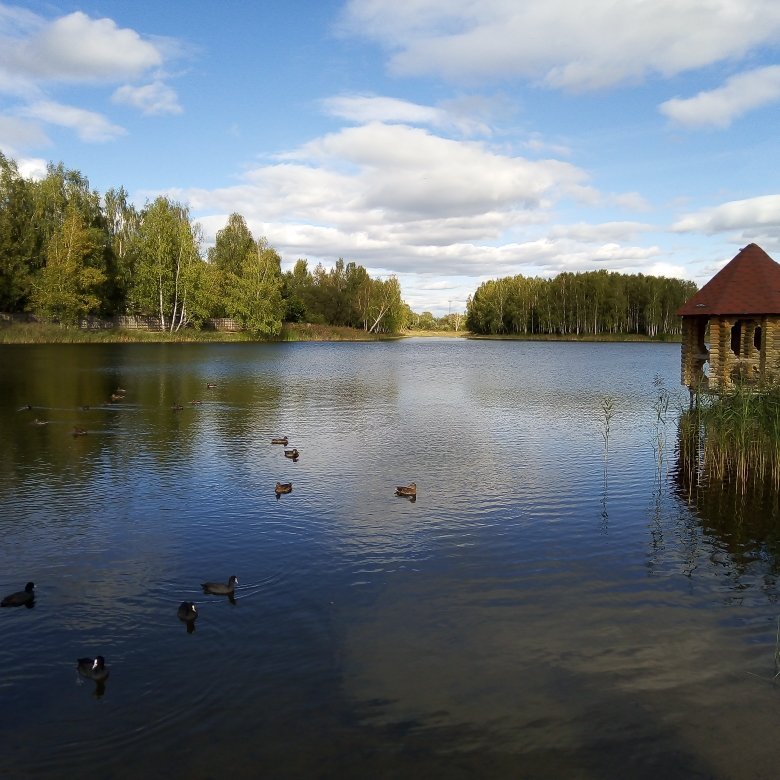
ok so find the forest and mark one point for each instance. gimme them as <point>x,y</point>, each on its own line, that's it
<point>592,303</point>
<point>68,253</point>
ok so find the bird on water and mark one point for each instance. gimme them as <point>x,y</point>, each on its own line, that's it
<point>23,598</point>
<point>220,588</point>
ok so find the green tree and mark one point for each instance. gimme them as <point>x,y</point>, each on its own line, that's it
<point>168,270</point>
<point>254,297</point>
<point>122,221</point>
<point>228,256</point>
<point>67,288</point>
<point>18,239</point>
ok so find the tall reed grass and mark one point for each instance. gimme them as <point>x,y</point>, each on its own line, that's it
<point>734,436</point>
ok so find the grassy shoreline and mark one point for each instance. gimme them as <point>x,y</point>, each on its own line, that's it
<point>41,333</point>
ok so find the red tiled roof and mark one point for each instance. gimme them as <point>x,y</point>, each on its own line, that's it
<point>748,284</point>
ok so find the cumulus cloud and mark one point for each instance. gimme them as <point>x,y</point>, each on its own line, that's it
<point>89,125</point>
<point>17,133</point>
<point>404,200</point>
<point>33,168</point>
<point>720,107</point>
<point>604,232</point>
<point>555,43</point>
<point>151,99</point>
<point>376,108</point>
<point>78,48</point>
<point>758,213</point>
<point>37,55</point>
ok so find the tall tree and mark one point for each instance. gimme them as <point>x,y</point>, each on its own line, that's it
<point>68,286</point>
<point>122,222</point>
<point>18,240</point>
<point>168,265</point>
<point>228,256</point>
<point>254,297</point>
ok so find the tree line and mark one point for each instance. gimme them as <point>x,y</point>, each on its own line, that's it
<point>67,253</point>
<point>589,303</point>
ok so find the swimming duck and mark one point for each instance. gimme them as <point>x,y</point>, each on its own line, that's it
<point>210,385</point>
<point>24,598</point>
<point>93,668</point>
<point>25,408</point>
<point>293,453</point>
<point>195,403</point>
<point>177,407</point>
<point>219,588</point>
<point>283,487</point>
<point>407,490</point>
<point>121,390</point>
<point>187,611</point>
<point>78,431</point>
<point>36,421</point>
<point>117,397</point>
<point>284,440</point>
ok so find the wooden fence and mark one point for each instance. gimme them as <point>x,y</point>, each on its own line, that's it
<point>130,323</point>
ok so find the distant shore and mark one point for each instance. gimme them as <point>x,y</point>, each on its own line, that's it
<point>41,333</point>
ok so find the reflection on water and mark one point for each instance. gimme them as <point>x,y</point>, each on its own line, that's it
<point>532,610</point>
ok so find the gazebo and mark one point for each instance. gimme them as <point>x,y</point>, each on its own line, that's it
<point>740,306</point>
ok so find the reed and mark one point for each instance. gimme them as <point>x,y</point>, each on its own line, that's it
<point>661,407</point>
<point>734,436</point>
<point>608,411</point>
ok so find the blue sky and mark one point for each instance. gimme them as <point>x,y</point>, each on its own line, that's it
<point>445,141</point>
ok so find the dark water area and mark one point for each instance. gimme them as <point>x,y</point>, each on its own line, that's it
<point>540,610</point>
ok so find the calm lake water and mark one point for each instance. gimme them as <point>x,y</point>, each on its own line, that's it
<point>538,611</point>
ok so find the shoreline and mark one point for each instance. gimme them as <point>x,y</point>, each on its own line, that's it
<point>39,333</point>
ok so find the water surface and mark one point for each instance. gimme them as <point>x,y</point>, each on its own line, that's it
<point>540,610</point>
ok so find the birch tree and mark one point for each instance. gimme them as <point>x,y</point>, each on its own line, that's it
<point>68,287</point>
<point>168,265</point>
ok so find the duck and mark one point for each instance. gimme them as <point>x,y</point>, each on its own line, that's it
<point>121,390</point>
<point>117,397</point>
<point>177,407</point>
<point>219,588</point>
<point>25,408</point>
<point>407,490</point>
<point>210,385</point>
<point>283,487</point>
<point>187,611</point>
<point>283,440</point>
<point>36,421</point>
<point>77,431</point>
<point>24,598</point>
<point>196,402</point>
<point>93,668</point>
<point>293,453</point>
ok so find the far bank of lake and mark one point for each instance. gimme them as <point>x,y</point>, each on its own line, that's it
<point>39,333</point>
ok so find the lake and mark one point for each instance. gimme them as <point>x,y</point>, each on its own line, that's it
<point>546,607</point>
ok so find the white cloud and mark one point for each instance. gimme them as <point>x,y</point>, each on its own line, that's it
<point>720,107</point>
<point>17,134</point>
<point>605,232</point>
<point>758,213</point>
<point>78,48</point>
<point>89,125</point>
<point>559,43</point>
<point>152,99</point>
<point>373,108</point>
<point>400,199</point>
<point>32,168</point>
